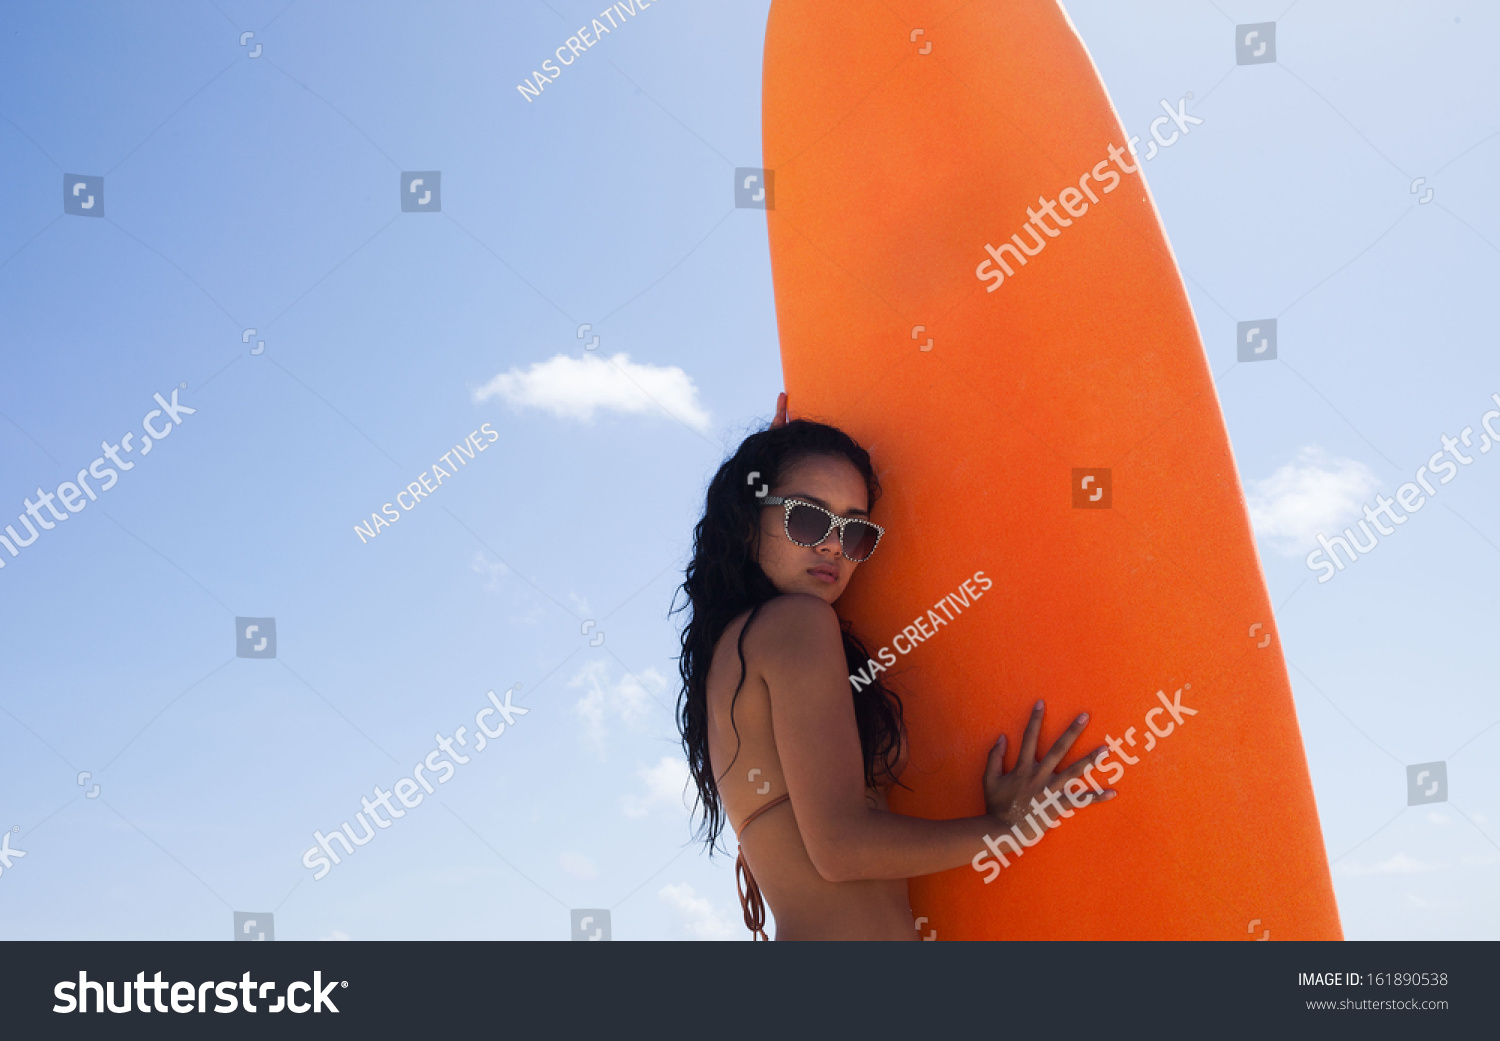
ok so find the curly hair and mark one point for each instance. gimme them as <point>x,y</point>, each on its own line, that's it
<point>723,579</point>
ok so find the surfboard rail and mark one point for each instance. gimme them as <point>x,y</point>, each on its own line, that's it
<point>957,288</point>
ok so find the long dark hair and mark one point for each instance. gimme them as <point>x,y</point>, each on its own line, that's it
<point>723,579</point>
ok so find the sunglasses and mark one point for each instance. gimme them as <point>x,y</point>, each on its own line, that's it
<point>808,525</point>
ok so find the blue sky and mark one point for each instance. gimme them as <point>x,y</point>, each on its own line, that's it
<point>263,193</point>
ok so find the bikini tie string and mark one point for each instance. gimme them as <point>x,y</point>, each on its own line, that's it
<point>751,902</point>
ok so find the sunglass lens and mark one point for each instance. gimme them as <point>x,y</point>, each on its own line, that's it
<point>807,525</point>
<point>859,540</point>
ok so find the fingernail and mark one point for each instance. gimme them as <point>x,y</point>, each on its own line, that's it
<point>1039,704</point>
<point>1084,718</point>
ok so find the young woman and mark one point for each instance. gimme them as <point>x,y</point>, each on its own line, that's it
<point>779,743</point>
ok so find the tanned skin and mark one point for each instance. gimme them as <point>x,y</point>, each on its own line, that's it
<point>834,861</point>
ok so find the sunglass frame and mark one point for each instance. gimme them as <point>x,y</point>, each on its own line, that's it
<point>834,521</point>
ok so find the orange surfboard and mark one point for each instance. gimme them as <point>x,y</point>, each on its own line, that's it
<point>972,284</point>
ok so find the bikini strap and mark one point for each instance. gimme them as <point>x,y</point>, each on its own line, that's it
<point>752,904</point>
<point>783,797</point>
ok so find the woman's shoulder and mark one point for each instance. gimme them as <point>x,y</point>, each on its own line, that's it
<point>785,622</point>
<point>794,624</point>
<point>797,613</point>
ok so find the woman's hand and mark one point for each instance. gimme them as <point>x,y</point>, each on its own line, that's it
<point>1008,796</point>
<point>780,419</point>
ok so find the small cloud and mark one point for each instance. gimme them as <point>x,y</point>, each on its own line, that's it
<point>1400,864</point>
<point>577,865</point>
<point>574,388</point>
<point>627,700</point>
<point>666,785</point>
<point>337,934</point>
<point>493,570</point>
<point>699,918</point>
<point>1315,493</point>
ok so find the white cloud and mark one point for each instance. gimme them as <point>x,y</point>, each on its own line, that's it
<point>666,785</point>
<point>337,934</point>
<point>580,605</point>
<point>578,865</point>
<point>1400,864</point>
<point>1313,493</point>
<point>627,700</point>
<point>699,918</point>
<point>573,388</point>
<point>494,570</point>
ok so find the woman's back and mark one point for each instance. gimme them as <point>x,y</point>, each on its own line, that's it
<point>806,905</point>
<point>779,744</point>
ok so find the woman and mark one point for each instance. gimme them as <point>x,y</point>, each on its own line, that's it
<point>779,743</point>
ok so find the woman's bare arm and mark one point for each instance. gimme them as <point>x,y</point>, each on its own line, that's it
<point>796,647</point>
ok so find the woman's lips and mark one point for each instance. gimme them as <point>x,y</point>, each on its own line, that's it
<point>824,573</point>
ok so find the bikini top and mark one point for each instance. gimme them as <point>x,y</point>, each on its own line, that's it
<point>751,903</point>
<point>755,815</point>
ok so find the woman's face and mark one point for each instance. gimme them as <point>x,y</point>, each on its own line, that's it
<point>833,483</point>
